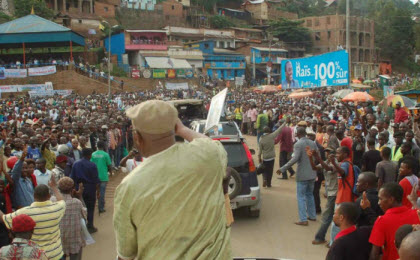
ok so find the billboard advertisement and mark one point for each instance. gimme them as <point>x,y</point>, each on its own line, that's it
<point>329,69</point>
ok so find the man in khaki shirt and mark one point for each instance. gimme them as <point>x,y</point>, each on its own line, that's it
<point>172,205</point>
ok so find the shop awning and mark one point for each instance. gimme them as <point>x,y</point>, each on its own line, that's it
<point>167,63</point>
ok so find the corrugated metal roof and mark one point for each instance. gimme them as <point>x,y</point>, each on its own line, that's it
<point>167,63</point>
<point>150,31</point>
<point>31,24</point>
<point>268,49</point>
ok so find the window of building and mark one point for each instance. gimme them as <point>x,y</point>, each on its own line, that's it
<point>206,46</point>
<point>328,20</point>
<point>80,21</point>
<point>106,9</point>
<point>309,23</point>
<point>316,22</point>
<point>329,34</point>
<point>228,45</point>
<point>173,7</point>
<point>317,36</point>
<point>222,44</point>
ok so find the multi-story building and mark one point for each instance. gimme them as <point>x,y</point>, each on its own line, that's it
<point>140,4</point>
<point>140,44</point>
<point>219,63</point>
<point>222,38</point>
<point>329,34</point>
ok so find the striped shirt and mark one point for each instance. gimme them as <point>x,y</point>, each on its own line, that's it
<point>47,216</point>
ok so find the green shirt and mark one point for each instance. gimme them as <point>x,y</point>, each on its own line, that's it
<point>262,121</point>
<point>102,161</point>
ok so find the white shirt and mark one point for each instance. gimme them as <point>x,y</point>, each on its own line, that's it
<point>131,164</point>
<point>42,178</point>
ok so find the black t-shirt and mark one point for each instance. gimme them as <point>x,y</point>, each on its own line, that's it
<point>352,246</point>
<point>358,150</point>
<point>370,159</point>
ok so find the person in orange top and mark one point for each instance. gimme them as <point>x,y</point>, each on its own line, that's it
<point>409,180</point>
<point>344,169</point>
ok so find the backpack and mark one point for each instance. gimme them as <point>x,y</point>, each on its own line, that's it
<point>356,172</point>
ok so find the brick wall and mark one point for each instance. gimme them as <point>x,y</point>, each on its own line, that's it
<point>147,20</point>
<point>105,10</point>
<point>173,8</point>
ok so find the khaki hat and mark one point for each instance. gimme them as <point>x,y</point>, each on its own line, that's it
<point>302,123</point>
<point>153,117</point>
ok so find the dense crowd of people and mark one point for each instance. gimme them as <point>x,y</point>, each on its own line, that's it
<point>366,154</point>
<point>58,153</point>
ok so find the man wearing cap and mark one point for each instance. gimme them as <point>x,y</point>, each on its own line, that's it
<point>60,165</point>
<point>167,212</point>
<point>22,247</point>
<point>401,116</point>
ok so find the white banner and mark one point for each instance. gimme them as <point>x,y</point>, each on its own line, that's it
<point>28,87</point>
<point>176,86</point>
<point>216,109</point>
<point>40,71</point>
<point>48,93</point>
<point>15,73</point>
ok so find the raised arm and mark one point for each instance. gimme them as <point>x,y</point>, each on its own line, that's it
<point>297,154</point>
<point>182,131</point>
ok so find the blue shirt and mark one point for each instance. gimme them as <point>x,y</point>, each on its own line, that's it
<point>86,172</point>
<point>33,153</point>
<point>23,192</point>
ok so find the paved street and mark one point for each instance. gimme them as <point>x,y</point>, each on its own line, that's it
<point>271,235</point>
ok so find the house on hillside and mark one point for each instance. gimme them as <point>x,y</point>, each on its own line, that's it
<point>264,10</point>
<point>233,13</point>
<point>222,38</point>
<point>219,63</point>
<point>148,5</point>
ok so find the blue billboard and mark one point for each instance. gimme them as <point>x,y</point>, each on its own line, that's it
<point>330,69</point>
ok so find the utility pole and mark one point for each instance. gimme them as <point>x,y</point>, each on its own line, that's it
<point>253,66</point>
<point>348,47</point>
<point>109,64</point>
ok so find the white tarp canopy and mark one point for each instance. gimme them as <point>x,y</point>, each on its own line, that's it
<point>176,86</point>
<point>167,63</point>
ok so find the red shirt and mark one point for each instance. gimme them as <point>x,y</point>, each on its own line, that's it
<point>344,232</point>
<point>407,187</point>
<point>285,139</point>
<point>383,232</point>
<point>400,115</point>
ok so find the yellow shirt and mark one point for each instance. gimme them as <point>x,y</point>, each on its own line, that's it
<point>47,216</point>
<point>172,205</point>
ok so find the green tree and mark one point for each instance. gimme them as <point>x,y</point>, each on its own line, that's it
<point>4,18</point>
<point>291,31</point>
<point>394,33</point>
<point>220,22</point>
<point>24,7</point>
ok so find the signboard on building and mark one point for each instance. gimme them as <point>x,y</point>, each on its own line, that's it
<point>171,73</point>
<point>159,74</point>
<point>41,71</point>
<point>329,69</point>
<point>147,74</point>
<point>135,73</point>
